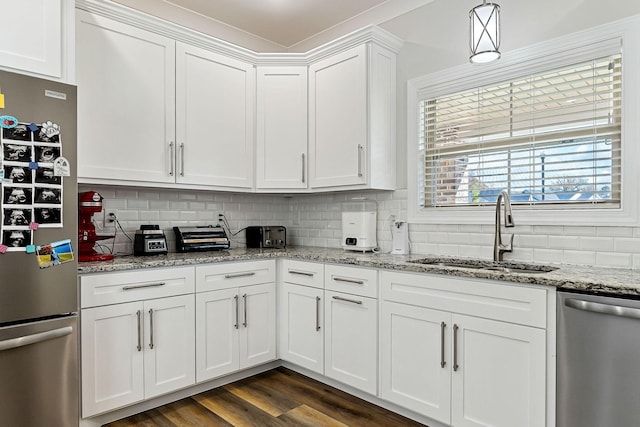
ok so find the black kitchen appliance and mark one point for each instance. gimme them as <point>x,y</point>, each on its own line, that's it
<point>149,240</point>
<point>202,238</point>
<point>266,236</point>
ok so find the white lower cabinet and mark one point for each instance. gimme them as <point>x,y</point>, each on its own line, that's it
<point>459,369</point>
<point>351,340</point>
<point>412,373</point>
<point>351,326</point>
<point>301,326</point>
<point>135,351</point>
<point>235,325</point>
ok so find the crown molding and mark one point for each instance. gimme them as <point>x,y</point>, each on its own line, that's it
<point>118,12</point>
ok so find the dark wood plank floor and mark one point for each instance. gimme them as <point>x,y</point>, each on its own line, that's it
<point>279,397</point>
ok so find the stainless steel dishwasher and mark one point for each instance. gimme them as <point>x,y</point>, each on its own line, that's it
<point>598,360</point>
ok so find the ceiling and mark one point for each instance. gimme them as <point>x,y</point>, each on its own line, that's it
<point>290,22</point>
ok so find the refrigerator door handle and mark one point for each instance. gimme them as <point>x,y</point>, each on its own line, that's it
<point>35,338</point>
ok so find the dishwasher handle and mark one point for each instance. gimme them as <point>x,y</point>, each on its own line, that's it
<point>602,308</point>
<point>35,338</point>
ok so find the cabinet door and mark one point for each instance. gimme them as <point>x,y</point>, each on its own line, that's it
<point>126,101</point>
<point>217,326</point>
<point>112,357</point>
<point>301,331</point>
<point>281,149</point>
<point>32,35</point>
<point>169,362</point>
<point>413,346</point>
<point>215,98</point>
<point>257,324</point>
<point>338,119</point>
<point>500,377</point>
<point>351,340</point>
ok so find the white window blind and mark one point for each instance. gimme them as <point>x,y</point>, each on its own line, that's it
<point>551,138</point>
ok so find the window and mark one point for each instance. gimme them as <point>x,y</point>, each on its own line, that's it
<point>548,138</point>
<point>555,124</point>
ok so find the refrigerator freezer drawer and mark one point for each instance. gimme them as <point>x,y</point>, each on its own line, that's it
<point>41,386</point>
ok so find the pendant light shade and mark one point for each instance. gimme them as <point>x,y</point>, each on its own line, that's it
<point>484,32</point>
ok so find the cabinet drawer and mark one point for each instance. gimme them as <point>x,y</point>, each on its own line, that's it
<point>352,280</point>
<point>234,274</point>
<point>476,297</point>
<point>114,288</point>
<point>302,273</point>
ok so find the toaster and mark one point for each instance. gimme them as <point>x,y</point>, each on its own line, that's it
<point>266,236</point>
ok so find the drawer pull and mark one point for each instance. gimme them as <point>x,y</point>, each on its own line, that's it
<point>233,276</point>
<point>149,285</point>
<point>301,273</point>
<point>340,279</point>
<point>353,301</point>
<point>317,313</point>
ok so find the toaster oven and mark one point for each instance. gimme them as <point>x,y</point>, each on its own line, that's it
<point>266,236</point>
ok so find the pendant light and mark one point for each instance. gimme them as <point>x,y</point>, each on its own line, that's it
<point>484,32</point>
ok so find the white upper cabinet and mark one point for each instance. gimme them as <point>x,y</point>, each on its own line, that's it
<point>126,103</point>
<point>214,118</point>
<point>37,38</point>
<point>161,104</point>
<point>281,149</point>
<point>352,107</point>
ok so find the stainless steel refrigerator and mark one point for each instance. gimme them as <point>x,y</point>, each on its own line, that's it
<point>38,207</point>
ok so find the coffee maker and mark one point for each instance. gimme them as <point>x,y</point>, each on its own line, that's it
<point>89,203</point>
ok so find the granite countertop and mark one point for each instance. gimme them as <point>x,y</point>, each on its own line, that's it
<point>566,277</point>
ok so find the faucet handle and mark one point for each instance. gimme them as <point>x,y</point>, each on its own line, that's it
<point>509,248</point>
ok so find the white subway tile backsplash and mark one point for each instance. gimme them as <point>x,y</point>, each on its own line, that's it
<point>615,231</point>
<point>612,259</point>
<point>534,240</point>
<point>547,255</point>
<point>600,244</point>
<point>625,244</point>
<point>564,242</point>
<point>580,257</point>
<point>315,220</point>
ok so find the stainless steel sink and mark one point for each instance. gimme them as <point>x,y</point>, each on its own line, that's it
<point>504,267</point>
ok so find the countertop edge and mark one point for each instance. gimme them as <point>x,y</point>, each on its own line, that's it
<point>621,282</point>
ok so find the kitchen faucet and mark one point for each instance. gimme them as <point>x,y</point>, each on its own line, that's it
<point>498,247</point>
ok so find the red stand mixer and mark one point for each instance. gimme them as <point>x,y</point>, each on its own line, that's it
<point>89,203</point>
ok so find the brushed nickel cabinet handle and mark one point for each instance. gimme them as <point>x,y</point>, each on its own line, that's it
<point>360,148</point>
<point>172,158</point>
<point>182,159</point>
<point>237,322</point>
<point>303,169</point>
<point>317,313</point>
<point>139,315</point>
<point>233,276</point>
<point>151,328</point>
<point>301,273</point>
<point>149,285</point>
<point>353,301</point>
<point>455,347</point>
<point>443,363</point>
<point>244,303</point>
<point>340,279</point>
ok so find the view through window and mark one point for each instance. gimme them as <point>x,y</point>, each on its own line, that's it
<point>551,138</point>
